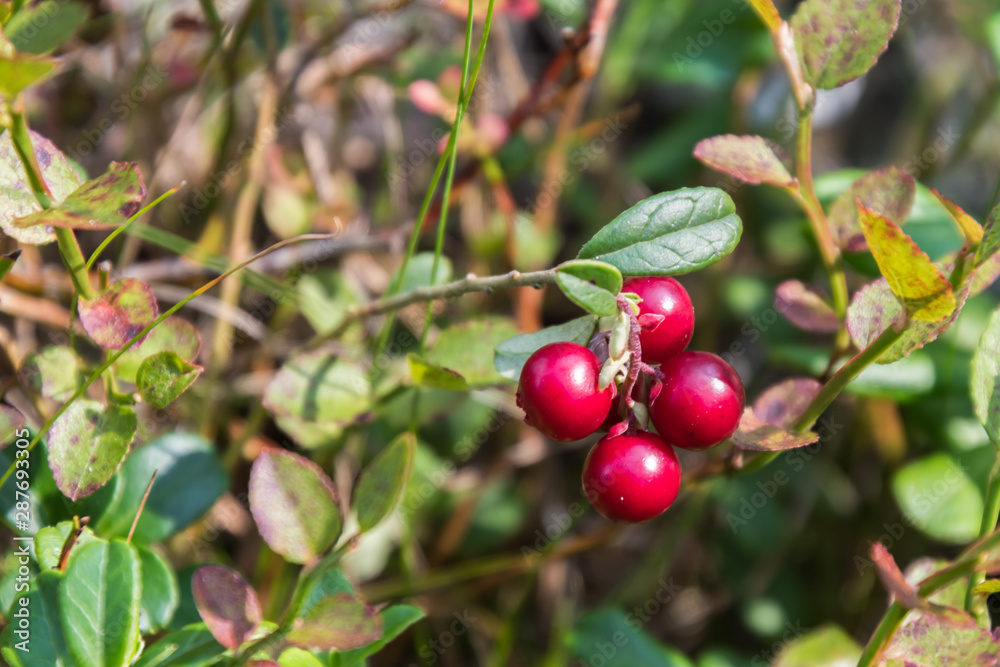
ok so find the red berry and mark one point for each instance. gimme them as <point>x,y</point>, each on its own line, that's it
<point>666,297</point>
<point>631,477</point>
<point>558,392</point>
<point>701,401</point>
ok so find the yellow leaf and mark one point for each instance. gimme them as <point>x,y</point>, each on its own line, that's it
<point>917,283</point>
<point>971,230</point>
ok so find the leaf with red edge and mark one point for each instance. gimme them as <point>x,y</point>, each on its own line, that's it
<point>927,640</point>
<point>970,228</point>
<point>890,192</point>
<point>226,603</point>
<point>750,159</point>
<point>118,313</point>
<point>294,504</point>
<point>173,334</point>
<point>757,435</point>
<point>340,622</point>
<point>765,426</point>
<point>805,308</point>
<point>917,283</point>
<point>101,203</point>
<point>873,310</point>
<point>86,445</point>
<point>11,421</point>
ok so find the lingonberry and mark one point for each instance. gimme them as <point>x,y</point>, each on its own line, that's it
<point>668,298</point>
<point>700,403</point>
<point>631,477</point>
<point>559,394</point>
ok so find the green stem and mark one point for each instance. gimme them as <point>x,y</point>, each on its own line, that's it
<point>991,514</point>
<point>246,656</point>
<point>113,235</point>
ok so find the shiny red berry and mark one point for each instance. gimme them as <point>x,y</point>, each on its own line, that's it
<point>631,477</point>
<point>558,392</point>
<point>668,298</point>
<point>701,401</point>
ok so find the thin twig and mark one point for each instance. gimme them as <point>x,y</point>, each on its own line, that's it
<point>142,505</point>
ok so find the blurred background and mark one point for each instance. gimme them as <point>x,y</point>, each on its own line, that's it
<point>285,117</point>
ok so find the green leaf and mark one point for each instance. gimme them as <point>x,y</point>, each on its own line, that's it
<point>987,587</point>
<point>991,237</point>
<point>805,308</point>
<point>467,348</point>
<point>971,230</point>
<point>917,283</point>
<point>297,657</point>
<point>395,620</point>
<point>11,421</point>
<point>510,356</point>
<point>986,379</point>
<point>750,159</point>
<point>21,70</point>
<point>227,604</point>
<point>172,334</point>
<point>46,26</point>
<point>623,644</point>
<point>826,646</point>
<point>101,203</point>
<point>190,478</point>
<point>87,444</point>
<point>669,233</point>
<point>340,622</point>
<point>46,645</point>
<point>890,192</point>
<point>16,196</point>
<point>48,505</point>
<point>160,593</point>
<point>115,316</point>
<point>594,286</point>
<point>163,377</point>
<point>193,646</point>
<point>381,483</point>
<point>324,299</point>
<point>99,603</point>
<point>54,372</point>
<point>426,374</point>
<point>49,543</point>
<point>928,641</point>
<point>938,497</point>
<point>321,585</point>
<point>294,504</point>
<point>839,40</point>
<point>418,272</point>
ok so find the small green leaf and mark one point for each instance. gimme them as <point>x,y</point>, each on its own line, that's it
<point>99,603</point>
<point>991,237</point>
<point>939,498</point>
<point>669,233</point>
<point>839,40</point>
<point>160,594</point>
<point>890,192</point>
<point>297,657</point>
<point>986,379</point>
<point>19,71</point>
<point>426,374</point>
<point>118,313</point>
<point>826,646</point>
<point>49,543</point>
<point>46,645</point>
<point>381,483</point>
<point>594,286</point>
<point>340,622</point>
<point>750,159</point>
<point>163,377</point>
<point>294,504</point>
<point>54,372</point>
<point>227,604</point>
<point>44,27</point>
<point>193,646</point>
<point>510,356</point>
<point>172,334</point>
<point>987,587</point>
<point>467,348</point>
<point>101,203</point>
<point>395,620</point>
<point>917,283</point>
<point>324,299</point>
<point>86,445</point>
<point>970,228</point>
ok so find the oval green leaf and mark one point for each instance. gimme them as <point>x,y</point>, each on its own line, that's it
<point>592,285</point>
<point>826,646</point>
<point>86,445</point>
<point>986,379</point>
<point>381,483</point>
<point>938,497</point>
<point>426,374</point>
<point>510,356</point>
<point>54,372</point>
<point>46,644</point>
<point>160,593</point>
<point>163,377</point>
<point>174,334</point>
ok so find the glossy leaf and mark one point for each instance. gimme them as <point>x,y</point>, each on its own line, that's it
<point>426,374</point>
<point>986,379</point>
<point>49,542</point>
<point>118,313</point>
<point>227,604</point>
<point>839,40</point>
<point>467,348</point>
<point>99,603</point>
<point>669,233</point>
<point>86,445</point>
<point>47,646</point>
<point>54,372</point>
<point>294,504</point>
<point>826,646</point>
<point>890,192</point>
<point>173,334</point>
<point>917,283</point>
<point>805,308</point>
<point>11,421</point>
<point>160,594</point>
<point>970,228</point>
<point>510,355</point>
<point>193,646</point>
<point>381,484</point>
<point>395,620</point>
<point>163,377</point>
<point>44,27</point>
<point>594,286</point>
<point>938,497</point>
<point>189,479</point>
<point>750,159</point>
<point>340,622</point>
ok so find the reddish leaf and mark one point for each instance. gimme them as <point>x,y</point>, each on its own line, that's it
<point>757,435</point>
<point>337,623</point>
<point>749,158</point>
<point>227,604</point>
<point>783,403</point>
<point>892,577</point>
<point>119,313</point>
<point>100,203</point>
<point>805,308</point>
<point>890,192</point>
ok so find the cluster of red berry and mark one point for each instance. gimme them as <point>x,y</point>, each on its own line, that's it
<point>695,401</point>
